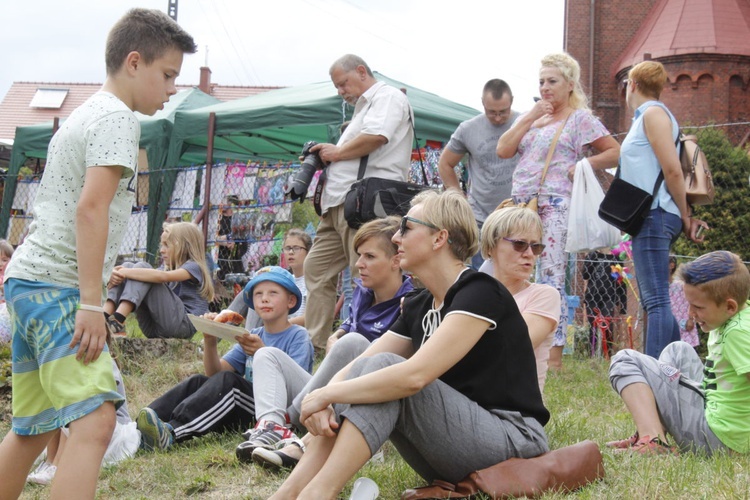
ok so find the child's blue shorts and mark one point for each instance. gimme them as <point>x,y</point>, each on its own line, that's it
<point>50,387</point>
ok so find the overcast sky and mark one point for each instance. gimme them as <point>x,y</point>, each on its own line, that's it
<point>448,48</point>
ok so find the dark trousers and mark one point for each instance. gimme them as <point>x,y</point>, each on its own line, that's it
<point>201,404</point>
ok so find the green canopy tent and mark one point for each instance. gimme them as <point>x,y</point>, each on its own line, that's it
<point>32,142</point>
<point>274,125</point>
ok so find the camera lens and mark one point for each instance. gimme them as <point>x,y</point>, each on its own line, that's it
<point>310,163</point>
<point>301,181</point>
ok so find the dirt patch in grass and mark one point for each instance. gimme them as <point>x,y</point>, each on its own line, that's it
<point>5,407</point>
<point>140,348</point>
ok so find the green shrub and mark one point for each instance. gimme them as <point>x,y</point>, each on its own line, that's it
<point>5,366</point>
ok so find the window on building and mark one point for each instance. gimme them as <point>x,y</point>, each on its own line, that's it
<point>48,98</point>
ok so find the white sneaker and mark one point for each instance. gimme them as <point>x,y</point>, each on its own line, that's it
<point>43,474</point>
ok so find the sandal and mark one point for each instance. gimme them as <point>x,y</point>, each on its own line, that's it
<point>623,443</point>
<point>116,328</point>
<point>650,446</point>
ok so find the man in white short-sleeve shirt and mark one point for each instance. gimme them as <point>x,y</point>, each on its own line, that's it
<point>381,128</point>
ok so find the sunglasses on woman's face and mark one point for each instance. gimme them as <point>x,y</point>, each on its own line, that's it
<point>403,228</point>
<point>521,246</point>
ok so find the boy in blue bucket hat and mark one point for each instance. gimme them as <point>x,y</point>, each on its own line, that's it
<point>223,397</point>
<point>277,275</point>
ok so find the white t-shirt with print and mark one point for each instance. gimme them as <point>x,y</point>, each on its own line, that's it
<point>102,131</point>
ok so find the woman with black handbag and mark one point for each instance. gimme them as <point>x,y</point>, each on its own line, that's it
<point>648,149</point>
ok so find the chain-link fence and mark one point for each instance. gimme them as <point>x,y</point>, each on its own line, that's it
<point>247,216</point>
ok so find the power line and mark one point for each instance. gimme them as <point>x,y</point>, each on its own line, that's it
<point>205,15</point>
<point>172,9</point>
<point>359,26</point>
<point>697,127</point>
<point>243,60</point>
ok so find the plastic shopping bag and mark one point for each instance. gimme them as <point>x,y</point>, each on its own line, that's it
<point>586,231</point>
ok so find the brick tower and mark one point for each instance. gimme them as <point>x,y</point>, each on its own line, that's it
<point>703,45</point>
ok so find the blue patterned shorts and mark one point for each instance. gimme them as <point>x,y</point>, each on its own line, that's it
<point>50,387</point>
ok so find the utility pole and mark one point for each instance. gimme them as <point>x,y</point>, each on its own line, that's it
<point>172,9</point>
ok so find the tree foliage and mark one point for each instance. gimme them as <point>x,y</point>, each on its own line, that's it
<point>729,216</point>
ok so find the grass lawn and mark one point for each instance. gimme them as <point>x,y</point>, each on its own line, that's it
<point>580,399</point>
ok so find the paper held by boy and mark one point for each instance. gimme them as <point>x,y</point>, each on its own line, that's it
<point>218,330</point>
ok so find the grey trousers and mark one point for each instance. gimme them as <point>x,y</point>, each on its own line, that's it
<point>280,384</point>
<point>441,433</point>
<point>676,381</point>
<point>160,312</point>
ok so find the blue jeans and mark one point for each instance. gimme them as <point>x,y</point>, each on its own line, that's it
<point>651,258</point>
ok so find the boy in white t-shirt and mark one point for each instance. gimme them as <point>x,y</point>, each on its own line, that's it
<point>55,282</point>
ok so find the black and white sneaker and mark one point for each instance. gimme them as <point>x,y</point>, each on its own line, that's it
<point>265,435</point>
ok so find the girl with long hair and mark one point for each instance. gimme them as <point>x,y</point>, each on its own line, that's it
<point>162,298</point>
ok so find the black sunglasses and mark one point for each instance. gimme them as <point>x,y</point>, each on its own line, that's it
<point>521,246</point>
<point>403,228</point>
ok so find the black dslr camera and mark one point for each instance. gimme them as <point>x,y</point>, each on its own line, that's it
<point>311,162</point>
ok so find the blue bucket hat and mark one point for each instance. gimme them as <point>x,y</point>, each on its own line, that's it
<point>278,275</point>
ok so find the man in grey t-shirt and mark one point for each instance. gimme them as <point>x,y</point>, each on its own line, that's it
<point>490,177</point>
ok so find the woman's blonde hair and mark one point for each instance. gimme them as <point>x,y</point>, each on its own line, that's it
<point>571,72</point>
<point>506,221</point>
<point>186,243</point>
<point>649,77</point>
<point>450,211</point>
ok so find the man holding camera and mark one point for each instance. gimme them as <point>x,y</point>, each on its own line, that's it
<point>380,133</point>
<point>490,177</point>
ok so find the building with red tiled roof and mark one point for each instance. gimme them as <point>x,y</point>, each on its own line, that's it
<point>703,45</point>
<point>29,103</point>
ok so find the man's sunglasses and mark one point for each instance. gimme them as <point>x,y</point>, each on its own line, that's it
<point>521,246</point>
<point>403,228</point>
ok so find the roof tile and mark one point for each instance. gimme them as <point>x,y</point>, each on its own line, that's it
<point>15,110</point>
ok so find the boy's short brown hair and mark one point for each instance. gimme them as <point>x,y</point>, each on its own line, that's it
<point>149,32</point>
<point>720,275</point>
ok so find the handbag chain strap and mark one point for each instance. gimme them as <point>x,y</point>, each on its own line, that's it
<point>552,151</point>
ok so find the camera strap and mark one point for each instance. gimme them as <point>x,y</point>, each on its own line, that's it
<point>319,192</point>
<point>419,151</point>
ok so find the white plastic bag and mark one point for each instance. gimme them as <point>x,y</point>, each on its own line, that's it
<point>586,231</point>
<point>125,442</point>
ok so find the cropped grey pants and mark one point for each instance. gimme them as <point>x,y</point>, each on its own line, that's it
<point>441,433</point>
<point>676,381</point>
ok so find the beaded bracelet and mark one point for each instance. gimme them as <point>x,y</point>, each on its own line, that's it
<point>87,307</point>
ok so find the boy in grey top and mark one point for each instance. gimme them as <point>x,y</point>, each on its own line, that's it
<point>490,176</point>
